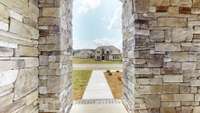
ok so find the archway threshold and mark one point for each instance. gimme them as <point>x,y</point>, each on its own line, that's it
<point>98,106</point>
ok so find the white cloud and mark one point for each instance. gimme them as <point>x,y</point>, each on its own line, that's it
<point>108,41</point>
<point>86,5</point>
<point>115,20</point>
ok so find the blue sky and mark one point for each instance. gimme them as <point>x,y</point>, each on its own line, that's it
<point>96,23</point>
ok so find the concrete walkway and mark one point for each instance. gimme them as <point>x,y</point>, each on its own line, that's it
<point>98,108</point>
<point>98,87</point>
<point>97,66</point>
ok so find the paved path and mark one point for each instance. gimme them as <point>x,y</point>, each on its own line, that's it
<point>97,66</point>
<point>98,87</point>
<point>99,108</point>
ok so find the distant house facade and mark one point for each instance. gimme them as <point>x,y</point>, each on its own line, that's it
<point>107,53</point>
<point>84,53</point>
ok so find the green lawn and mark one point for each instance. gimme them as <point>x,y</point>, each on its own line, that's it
<point>93,61</point>
<point>80,80</point>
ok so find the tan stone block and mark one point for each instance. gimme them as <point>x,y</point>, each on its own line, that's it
<point>16,16</point>
<point>3,12</point>
<point>27,51</point>
<point>182,34</point>
<point>152,101</point>
<point>170,89</point>
<point>159,2</point>
<point>23,29</point>
<point>8,65</point>
<point>30,98</point>
<point>173,11</point>
<point>20,6</point>
<point>170,104</point>
<point>26,82</point>
<point>182,56</point>
<point>195,10</point>
<point>167,110</point>
<point>50,12</point>
<point>188,66</point>
<point>183,3</point>
<point>177,97</point>
<point>172,22</point>
<point>6,100</point>
<point>48,21</point>
<point>173,78</point>
<point>167,47</point>
<point>142,6</point>
<point>196,3</point>
<point>53,84</point>
<point>196,109</point>
<point>147,81</point>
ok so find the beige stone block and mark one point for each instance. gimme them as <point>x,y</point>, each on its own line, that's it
<point>50,12</point>
<point>172,22</point>
<point>20,6</point>
<point>173,11</point>
<point>4,15</point>
<point>159,2</point>
<point>5,90</point>
<point>147,71</point>
<point>8,65</point>
<point>152,101</point>
<point>195,10</point>
<point>7,44</point>
<point>197,97</point>
<point>6,100</point>
<point>26,82</point>
<point>23,29</point>
<point>189,66</point>
<point>182,56</point>
<point>170,89</point>
<point>147,81</point>
<point>3,26</point>
<point>170,104</point>
<point>30,98</point>
<point>6,52</point>
<point>182,3</point>
<point>173,78</point>
<point>48,21</point>
<point>195,82</point>
<point>177,97</point>
<point>53,84</point>
<point>26,51</point>
<point>16,15</point>
<point>8,77</point>
<point>196,109</point>
<point>167,47</point>
<point>182,34</point>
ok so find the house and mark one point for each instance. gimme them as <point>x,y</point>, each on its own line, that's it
<point>107,53</point>
<point>84,53</point>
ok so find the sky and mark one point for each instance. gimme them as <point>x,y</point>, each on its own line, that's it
<point>96,23</point>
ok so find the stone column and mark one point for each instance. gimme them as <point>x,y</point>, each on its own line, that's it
<point>19,56</point>
<point>161,50</point>
<point>55,46</point>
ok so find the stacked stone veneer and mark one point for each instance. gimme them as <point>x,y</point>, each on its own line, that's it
<point>55,46</point>
<point>19,56</point>
<point>161,54</point>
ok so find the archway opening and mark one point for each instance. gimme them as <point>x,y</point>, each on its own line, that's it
<point>97,49</point>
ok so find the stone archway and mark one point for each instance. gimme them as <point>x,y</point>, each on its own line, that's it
<point>161,55</point>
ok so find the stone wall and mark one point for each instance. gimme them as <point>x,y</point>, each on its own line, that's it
<point>161,54</point>
<point>55,46</point>
<point>18,56</point>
